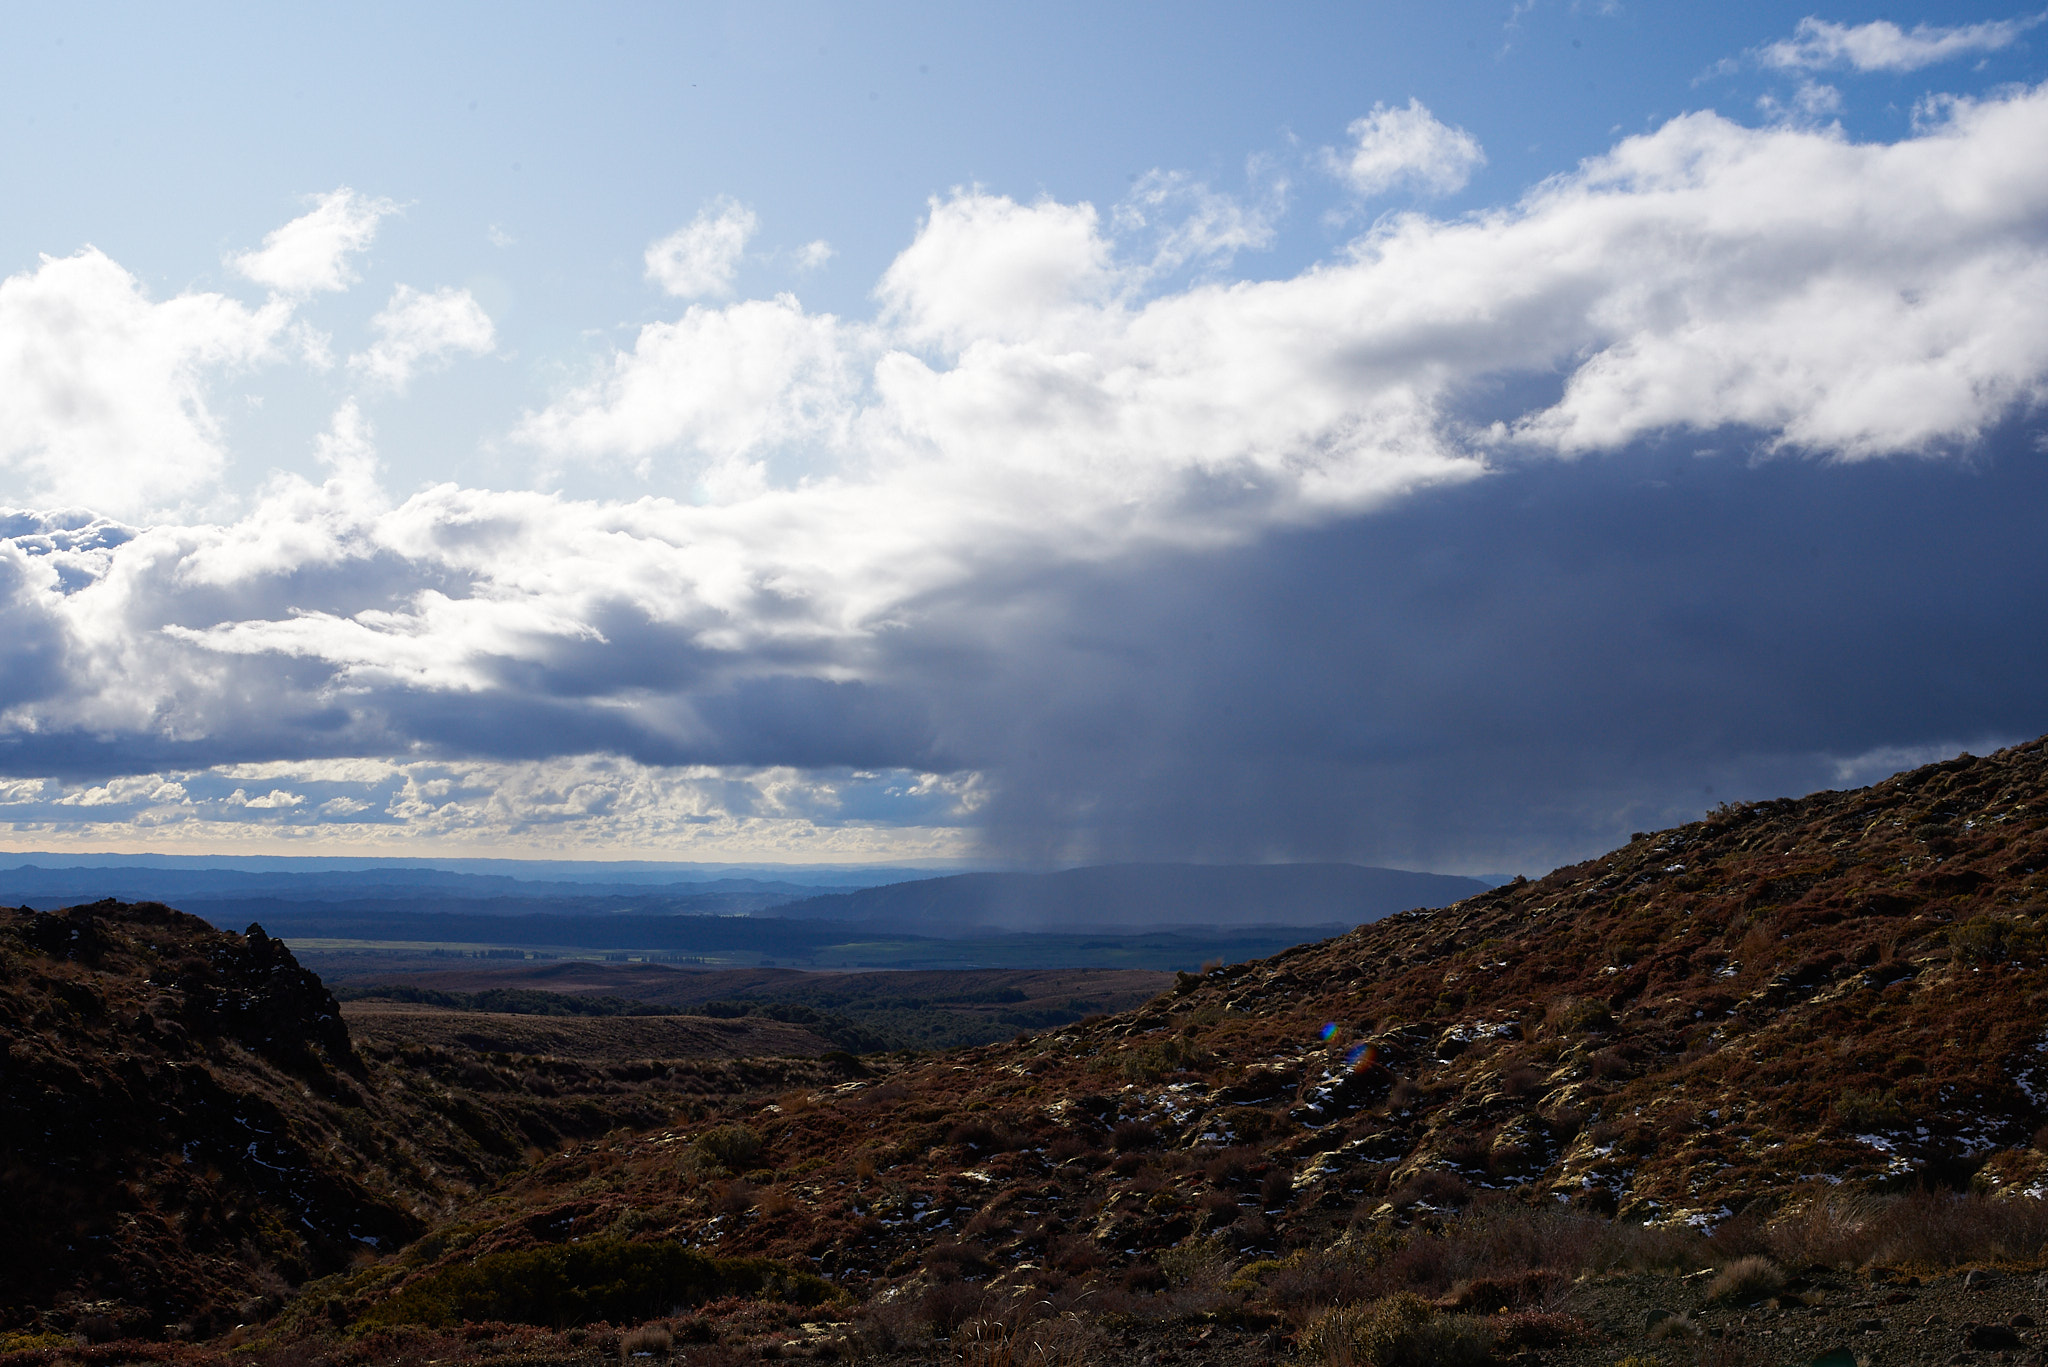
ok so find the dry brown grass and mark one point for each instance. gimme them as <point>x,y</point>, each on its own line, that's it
<point>1747,1279</point>
<point>1922,1229</point>
<point>1401,1330</point>
<point>649,1340</point>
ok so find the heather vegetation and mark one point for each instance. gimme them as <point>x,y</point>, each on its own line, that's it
<point>1737,1093</point>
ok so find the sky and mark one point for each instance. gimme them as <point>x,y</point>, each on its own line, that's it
<point>1448,436</point>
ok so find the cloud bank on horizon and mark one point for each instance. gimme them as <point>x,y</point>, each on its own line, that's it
<point>1082,545</point>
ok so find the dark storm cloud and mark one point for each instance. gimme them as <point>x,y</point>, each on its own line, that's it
<point>1522,669</point>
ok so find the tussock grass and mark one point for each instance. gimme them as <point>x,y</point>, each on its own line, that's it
<point>651,1340</point>
<point>1747,1279</point>
<point>1401,1330</point>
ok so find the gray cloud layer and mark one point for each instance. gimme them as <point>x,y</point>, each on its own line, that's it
<point>1510,672</point>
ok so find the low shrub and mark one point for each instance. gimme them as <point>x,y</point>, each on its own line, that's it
<point>1539,1329</point>
<point>1398,1331</point>
<point>1132,1135</point>
<point>651,1340</point>
<point>1613,1065</point>
<point>1993,939</point>
<point>1489,1294</point>
<point>1195,1259</point>
<point>1747,1279</point>
<point>29,1341</point>
<point>1573,1017</point>
<point>1144,1279</point>
<point>736,1197</point>
<point>1016,1339</point>
<point>1305,1281</point>
<point>1927,1229</point>
<point>1675,1327</point>
<point>603,1279</point>
<point>731,1147</point>
<point>1868,1109</point>
<point>1155,1061</point>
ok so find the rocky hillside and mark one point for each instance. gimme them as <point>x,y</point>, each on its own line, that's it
<point>187,1130</point>
<point>1710,1028</point>
<point>163,1093</point>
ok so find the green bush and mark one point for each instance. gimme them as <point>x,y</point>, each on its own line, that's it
<point>604,1279</point>
<point>1578,1017</point>
<point>28,1341</point>
<point>731,1147</point>
<point>1993,939</point>
<point>1154,1062</point>
<point>1875,1108</point>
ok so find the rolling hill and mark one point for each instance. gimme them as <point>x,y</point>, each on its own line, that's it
<point>1135,897</point>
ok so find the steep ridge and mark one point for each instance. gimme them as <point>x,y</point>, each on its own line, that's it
<point>188,1130</point>
<point>1781,1001</point>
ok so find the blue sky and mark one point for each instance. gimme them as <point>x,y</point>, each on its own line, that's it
<point>794,431</point>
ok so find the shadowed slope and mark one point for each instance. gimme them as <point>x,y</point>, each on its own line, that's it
<point>188,1130</point>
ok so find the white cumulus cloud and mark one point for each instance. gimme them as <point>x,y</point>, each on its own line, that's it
<point>416,330</point>
<point>1191,222</point>
<point>275,799</point>
<point>987,268</point>
<point>310,254</point>
<point>1818,44</point>
<point>703,257</point>
<point>1396,147</point>
<point>601,805</point>
<point>104,392</point>
<point>724,384</point>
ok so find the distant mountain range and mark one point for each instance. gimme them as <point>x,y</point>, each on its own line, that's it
<point>46,887</point>
<point>1121,897</point>
<point>1137,896</point>
<point>602,873</point>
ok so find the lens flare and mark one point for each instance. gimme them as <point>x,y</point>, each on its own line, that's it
<point>1329,1032</point>
<point>1361,1057</point>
